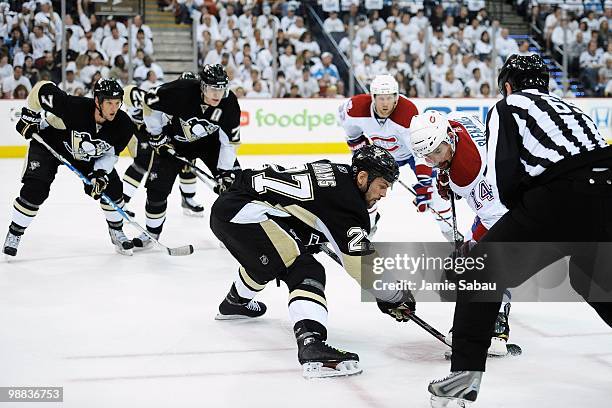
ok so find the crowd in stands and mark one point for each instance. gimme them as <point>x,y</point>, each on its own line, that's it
<point>31,35</point>
<point>443,49</point>
<point>392,40</point>
<point>583,29</point>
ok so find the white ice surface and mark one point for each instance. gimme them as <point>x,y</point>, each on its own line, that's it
<point>138,331</point>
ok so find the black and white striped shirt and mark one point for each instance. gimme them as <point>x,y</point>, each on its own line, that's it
<point>530,133</point>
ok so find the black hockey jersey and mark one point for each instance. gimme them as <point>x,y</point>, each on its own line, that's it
<point>194,127</point>
<point>320,200</point>
<point>69,126</point>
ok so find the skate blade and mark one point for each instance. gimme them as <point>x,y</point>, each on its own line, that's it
<point>319,370</point>
<point>191,213</point>
<point>143,248</point>
<point>442,402</point>
<point>126,252</point>
<point>512,350</point>
<point>8,258</point>
<point>220,316</point>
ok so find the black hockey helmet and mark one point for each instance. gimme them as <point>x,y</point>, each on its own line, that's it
<point>523,72</point>
<point>188,75</point>
<point>377,162</point>
<point>214,76</point>
<point>107,89</point>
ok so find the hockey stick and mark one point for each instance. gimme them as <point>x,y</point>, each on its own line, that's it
<point>201,174</point>
<point>179,251</point>
<point>453,225</point>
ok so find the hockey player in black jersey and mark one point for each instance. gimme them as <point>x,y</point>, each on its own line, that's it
<point>553,171</point>
<point>143,155</point>
<point>203,122</point>
<point>90,134</point>
<point>267,219</point>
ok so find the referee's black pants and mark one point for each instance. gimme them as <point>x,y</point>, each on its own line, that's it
<point>565,213</point>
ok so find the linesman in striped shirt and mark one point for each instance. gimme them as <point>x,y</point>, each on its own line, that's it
<point>553,171</point>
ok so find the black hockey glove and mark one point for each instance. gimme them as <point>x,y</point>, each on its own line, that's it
<point>99,182</point>
<point>400,310</point>
<point>161,144</point>
<point>28,123</point>
<point>224,180</point>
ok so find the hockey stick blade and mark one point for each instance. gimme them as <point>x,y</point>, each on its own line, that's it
<point>180,251</point>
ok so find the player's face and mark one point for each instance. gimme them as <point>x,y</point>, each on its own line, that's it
<point>213,96</point>
<point>441,156</point>
<point>384,104</point>
<point>109,108</point>
<point>378,189</point>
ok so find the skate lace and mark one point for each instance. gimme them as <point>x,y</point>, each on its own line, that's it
<point>12,240</point>
<point>448,377</point>
<point>253,305</point>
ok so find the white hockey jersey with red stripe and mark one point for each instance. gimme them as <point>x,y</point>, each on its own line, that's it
<point>357,118</point>
<point>467,173</point>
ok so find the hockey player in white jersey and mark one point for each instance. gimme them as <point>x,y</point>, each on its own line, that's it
<point>383,118</point>
<point>456,146</point>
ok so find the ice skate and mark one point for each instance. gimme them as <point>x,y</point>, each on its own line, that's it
<point>501,333</point>
<point>10,244</point>
<point>235,307</point>
<point>460,386</point>
<point>123,245</point>
<point>144,241</point>
<point>191,207</point>
<point>320,360</point>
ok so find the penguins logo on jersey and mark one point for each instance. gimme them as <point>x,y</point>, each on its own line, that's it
<point>195,129</point>
<point>84,147</point>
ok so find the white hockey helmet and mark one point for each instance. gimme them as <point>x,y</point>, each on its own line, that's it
<point>427,131</point>
<point>384,85</point>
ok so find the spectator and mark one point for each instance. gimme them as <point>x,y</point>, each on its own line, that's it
<point>214,56</point>
<point>288,20</point>
<point>306,43</point>
<point>95,65</point>
<point>50,69</point>
<point>407,28</point>
<point>294,92</point>
<point>364,30</point>
<point>438,70</point>
<point>505,45</point>
<point>141,72</point>
<point>451,87</point>
<point>141,41</point>
<point>29,71</point>
<point>373,48</point>
<point>333,24</point>
<point>475,82</point>
<point>473,32</point>
<point>591,61</point>
<point>524,48</point>
<point>485,90</point>
<point>151,81</point>
<point>119,70</point>
<point>449,28</point>
<point>287,59</point>
<point>22,53</point>
<point>40,42</point>
<point>72,84</point>
<point>557,36</point>
<point>394,46</point>
<point>417,47</point>
<point>327,69</point>
<point>113,44</point>
<point>20,92</point>
<point>309,87</point>
<point>258,91</point>
<point>11,82</point>
<point>483,47</point>
<point>138,25</point>
<point>367,71</point>
<point>6,69</point>
<point>296,30</point>
<point>439,43</point>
